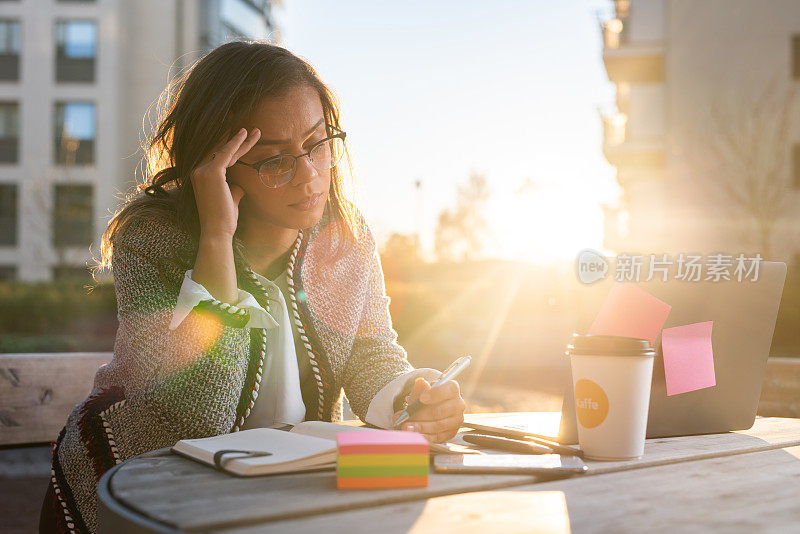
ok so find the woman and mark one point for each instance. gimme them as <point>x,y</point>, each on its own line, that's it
<point>249,290</point>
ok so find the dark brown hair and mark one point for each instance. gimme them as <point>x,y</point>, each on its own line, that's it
<point>203,107</point>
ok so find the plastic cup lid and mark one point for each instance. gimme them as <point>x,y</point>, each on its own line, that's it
<point>584,344</point>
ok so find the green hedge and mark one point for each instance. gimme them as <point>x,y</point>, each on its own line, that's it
<point>56,317</point>
<point>71,316</point>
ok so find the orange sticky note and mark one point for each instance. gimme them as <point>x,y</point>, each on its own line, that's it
<point>381,482</point>
<point>688,357</point>
<point>629,311</point>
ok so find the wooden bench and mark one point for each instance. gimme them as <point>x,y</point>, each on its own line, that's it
<point>780,393</point>
<point>38,391</point>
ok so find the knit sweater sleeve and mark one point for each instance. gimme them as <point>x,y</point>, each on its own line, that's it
<point>376,358</point>
<point>181,383</point>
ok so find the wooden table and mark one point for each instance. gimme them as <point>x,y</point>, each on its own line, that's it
<point>746,481</point>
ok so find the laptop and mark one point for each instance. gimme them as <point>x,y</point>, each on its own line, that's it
<point>744,314</point>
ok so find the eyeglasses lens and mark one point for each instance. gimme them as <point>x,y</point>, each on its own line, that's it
<point>280,171</point>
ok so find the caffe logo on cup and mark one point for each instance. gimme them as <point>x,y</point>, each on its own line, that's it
<point>591,266</point>
<point>591,403</point>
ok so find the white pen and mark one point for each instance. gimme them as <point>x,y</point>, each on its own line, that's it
<point>449,374</point>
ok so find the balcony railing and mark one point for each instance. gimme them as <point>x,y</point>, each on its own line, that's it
<point>622,151</point>
<point>614,33</point>
<point>614,127</point>
<point>622,8</point>
<point>640,64</point>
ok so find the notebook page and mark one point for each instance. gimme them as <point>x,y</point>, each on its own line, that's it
<point>323,429</point>
<point>288,451</point>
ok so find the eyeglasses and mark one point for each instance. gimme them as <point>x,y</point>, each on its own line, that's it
<point>278,171</point>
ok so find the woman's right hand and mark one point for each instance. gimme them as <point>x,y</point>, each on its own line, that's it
<point>217,200</point>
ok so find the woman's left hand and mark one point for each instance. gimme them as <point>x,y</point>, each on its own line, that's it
<point>443,413</point>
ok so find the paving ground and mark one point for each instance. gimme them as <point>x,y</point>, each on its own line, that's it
<point>24,473</point>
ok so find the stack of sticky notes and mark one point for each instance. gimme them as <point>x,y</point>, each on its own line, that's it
<point>381,459</point>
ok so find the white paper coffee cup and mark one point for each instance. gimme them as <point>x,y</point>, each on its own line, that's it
<point>611,383</point>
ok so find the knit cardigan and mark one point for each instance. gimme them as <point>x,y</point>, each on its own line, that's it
<point>202,378</point>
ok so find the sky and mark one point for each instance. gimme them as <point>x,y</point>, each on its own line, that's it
<point>432,91</point>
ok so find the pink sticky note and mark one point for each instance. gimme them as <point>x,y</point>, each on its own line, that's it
<point>629,311</point>
<point>381,442</point>
<point>688,357</point>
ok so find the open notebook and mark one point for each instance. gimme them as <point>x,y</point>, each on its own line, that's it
<point>264,451</point>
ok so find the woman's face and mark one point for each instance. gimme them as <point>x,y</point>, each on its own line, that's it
<point>289,124</point>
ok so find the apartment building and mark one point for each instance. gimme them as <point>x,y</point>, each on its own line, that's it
<point>76,79</point>
<point>705,130</point>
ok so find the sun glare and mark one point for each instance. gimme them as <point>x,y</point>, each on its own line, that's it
<point>545,225</point>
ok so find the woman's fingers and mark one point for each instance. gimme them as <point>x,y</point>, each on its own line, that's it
<point>439,430</point>
<point>442,392</point>
<point>225,153</point>
<point>420,386</point>
<point>246,145</point>
<point>443,413</point>
<point>440,410</point>
<point>229,153</point>
<point>219,212</point>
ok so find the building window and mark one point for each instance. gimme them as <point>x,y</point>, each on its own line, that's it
<point>231,19</point>
<point>9,132</point>
<point>10,44</point>
<point>8,214</point>
<point>8,272</point>
<point>76,50</point>
<point>244,18</point>
<point>75,133</point>
<point>72,215</point>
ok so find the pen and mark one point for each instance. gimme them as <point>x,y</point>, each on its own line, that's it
<point>507,444</point>
<point>450,373</point>
<point>557,448</point>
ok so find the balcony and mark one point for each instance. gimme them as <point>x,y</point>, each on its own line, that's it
<point>623,152</point>
<point>641,154</point>
<point>622,8</point>
<point>629,61</point>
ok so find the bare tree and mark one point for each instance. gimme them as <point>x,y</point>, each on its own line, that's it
<point>461,230</point>
<point>400,255</point>
<point>36,216</point>
<point>744,153</point>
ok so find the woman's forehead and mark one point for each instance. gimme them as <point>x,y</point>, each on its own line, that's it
<point>289,116</point>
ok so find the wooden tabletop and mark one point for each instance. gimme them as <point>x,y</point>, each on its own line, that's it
<point>746,480</point>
